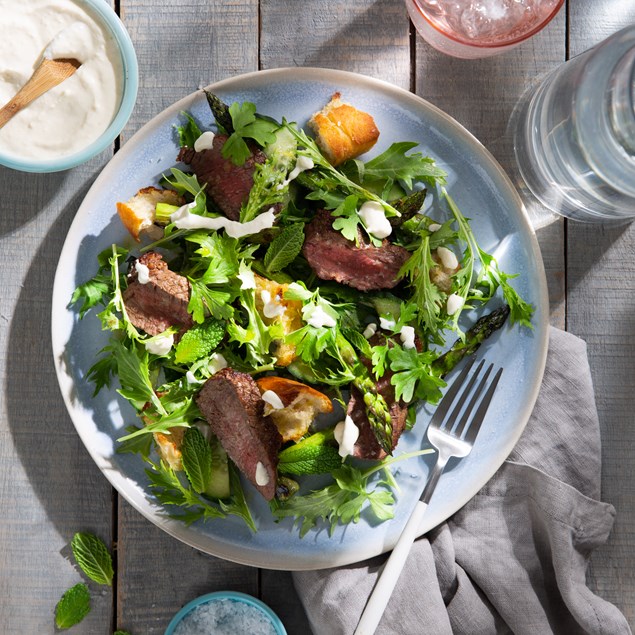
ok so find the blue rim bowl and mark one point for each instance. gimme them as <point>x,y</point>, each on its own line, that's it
<point>110,20</point>
<point>235,596</point>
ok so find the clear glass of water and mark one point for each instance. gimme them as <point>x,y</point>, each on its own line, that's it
<point>479,28</point>
<point>574,136</point>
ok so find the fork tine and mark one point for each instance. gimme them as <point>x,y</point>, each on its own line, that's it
<point>482,409</point>
<point>448,398</point>
<point>458,431</point>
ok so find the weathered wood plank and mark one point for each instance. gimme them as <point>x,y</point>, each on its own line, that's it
<point>49,486</point>
<point>482,95</point>
<point>368,37</point>
<point>600,309</point>
<point>180,48</point>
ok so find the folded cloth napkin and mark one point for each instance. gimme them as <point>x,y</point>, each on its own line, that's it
<point>513,559</point>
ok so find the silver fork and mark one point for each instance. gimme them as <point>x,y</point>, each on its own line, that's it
<point>452,434</point>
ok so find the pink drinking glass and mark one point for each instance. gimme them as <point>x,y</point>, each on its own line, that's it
<point>479,28</point>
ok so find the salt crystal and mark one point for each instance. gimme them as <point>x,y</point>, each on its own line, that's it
<point>225,617</point>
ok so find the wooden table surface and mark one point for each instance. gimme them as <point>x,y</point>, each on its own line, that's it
<point>49,486</point>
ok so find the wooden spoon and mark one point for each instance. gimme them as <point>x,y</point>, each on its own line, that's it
<point>48,74</point>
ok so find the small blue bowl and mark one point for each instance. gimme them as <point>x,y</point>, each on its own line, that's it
<point>101,10</point>
<point>233,596</point>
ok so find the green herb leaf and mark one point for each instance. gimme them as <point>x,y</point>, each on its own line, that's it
<point>284,248</point>
<point>90,293</point>
<point>93,557</point>
<point>188,133</point>
<point>313,455</point>
<point>394,164</point>
<point>246,125</point>
<point>197,459</point>
<point>348,221</point>
<point>199,341</point>
<point>73,606</point>
<point>413,375</point>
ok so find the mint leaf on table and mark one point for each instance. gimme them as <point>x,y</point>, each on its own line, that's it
<point>73,606</point>
<point>197,459</point>
<point>93,557</point>
<point>284,248</point>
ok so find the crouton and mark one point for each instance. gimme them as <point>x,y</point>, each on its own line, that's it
<point>343,132</point>
<point>138,213</point>
<point>169,447</point>
<point>301,405</point>
<point>290,316</point>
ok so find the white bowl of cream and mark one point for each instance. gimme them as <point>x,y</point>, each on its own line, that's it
<point>84,114</point>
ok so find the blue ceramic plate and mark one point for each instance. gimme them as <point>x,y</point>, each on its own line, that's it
<point>482,191</point>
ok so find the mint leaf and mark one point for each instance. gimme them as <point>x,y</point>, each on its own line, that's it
<point>197,459</point>
<point>73,606</point>
<point>284,248</point>
<point>92,556</point>
<point>313,455</point>
<point>199,341</point>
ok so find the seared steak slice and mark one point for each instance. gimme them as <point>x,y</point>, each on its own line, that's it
<point>160,302</point>
<point>366,446</point>
<point>231,403</point>
<point>333,257</point>
<point>227,184</point>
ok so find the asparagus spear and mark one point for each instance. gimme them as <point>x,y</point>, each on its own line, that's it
<point>481,330</point>
<point>220,110</point>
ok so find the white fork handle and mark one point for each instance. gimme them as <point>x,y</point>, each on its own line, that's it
<point>390,574</point>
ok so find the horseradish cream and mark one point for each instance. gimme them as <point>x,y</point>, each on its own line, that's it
<point>75,113</point>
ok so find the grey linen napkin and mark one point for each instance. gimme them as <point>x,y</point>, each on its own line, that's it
<point>513,559</point>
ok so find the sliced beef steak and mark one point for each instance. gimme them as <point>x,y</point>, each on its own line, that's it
<point>161,301</point>
<point>333,257</point>
<point>366,446</point>
<point>231,403</point>
<point>227,184</point>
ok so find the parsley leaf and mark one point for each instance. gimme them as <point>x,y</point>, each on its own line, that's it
<point>413,375</point>
<point>348,221</point>
<point>93,557</point>
<point>246,126</point>
<point>73,606</point>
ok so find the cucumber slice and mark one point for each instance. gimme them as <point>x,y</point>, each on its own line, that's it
<point>219,477</point>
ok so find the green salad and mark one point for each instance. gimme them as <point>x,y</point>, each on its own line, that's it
<point>283,315</point>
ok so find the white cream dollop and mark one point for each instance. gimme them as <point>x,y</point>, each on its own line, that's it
<point>160,344</point>
<point>273,400</point>
<point>271,307</point>
<point>453,304</point>
<point>346,434</point>
<point>370,330</point>
<point>448,258</point>
<point>217,362</point>
<point>407,336</point>
<point>204,142</point>
<point>184,219</point>
<point>143,273</point>
<point>387,324</point>
<point>316,316</point>
<point>301,165</point>
<point>374,218</point>
<point>262,476</point>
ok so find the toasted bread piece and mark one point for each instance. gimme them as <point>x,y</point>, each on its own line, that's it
<point>169,447</point>
<point>138,213</point>
<point>301,405</point>
<point>342,131</point>
<point>291,319</point>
